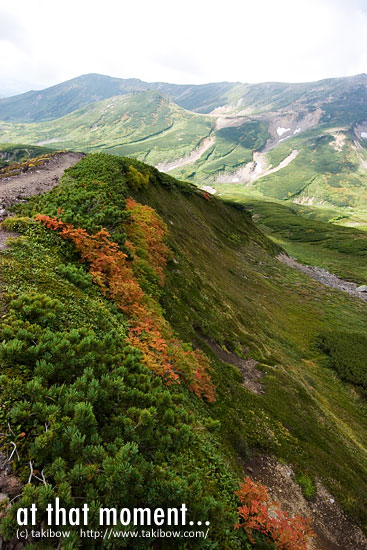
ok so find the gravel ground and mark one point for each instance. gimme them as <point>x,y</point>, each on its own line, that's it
<point>334,531</point>
<point>33,182</point>
<point>324,277</point>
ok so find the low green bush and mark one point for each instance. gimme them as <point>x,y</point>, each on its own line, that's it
<point>346,353</point>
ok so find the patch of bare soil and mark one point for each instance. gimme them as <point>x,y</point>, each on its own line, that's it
<point>310,201</point>
<point>32,182</point>
<point>4,236</point>
<point>360,131</point>
<point>334,531</point>
<point>339,142</point>
<point>257,168</point>
<point>229,122</point>
<point>287,124</point>
<point>247,172</point>
<point>251,375</point>
<point>10,486</point>
<point>323,276</point>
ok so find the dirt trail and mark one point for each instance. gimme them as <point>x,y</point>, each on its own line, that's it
<point>324,277</point>
<point>33,182</point>
<point>17,189</point>
<point>334,531</point>
<point>247,367</point>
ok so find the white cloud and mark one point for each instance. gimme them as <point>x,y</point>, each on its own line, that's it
<point>45,42</point>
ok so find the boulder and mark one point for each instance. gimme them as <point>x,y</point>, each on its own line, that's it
<point>362,288</point>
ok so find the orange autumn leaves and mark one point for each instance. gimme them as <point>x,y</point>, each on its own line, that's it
<point>258,513</point>
<point>146,232</point>
<point>162,352</point>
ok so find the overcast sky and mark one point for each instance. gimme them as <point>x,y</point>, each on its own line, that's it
<point>43,42</point>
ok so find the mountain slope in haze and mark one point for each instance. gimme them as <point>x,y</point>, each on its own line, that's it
<point>80,384</point>
<point>64,98</point>
<point>235,97</point>
<point>61,99</point>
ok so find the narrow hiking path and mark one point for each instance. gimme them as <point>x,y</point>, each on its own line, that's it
<point>33,182</point>
<point>16,189</point>
<point>324,277</point>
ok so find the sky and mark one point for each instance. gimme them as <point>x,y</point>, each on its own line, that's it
<point>43,42</point>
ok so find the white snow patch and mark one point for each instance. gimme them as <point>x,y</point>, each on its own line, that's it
<point>297,131</point>
<point>281,131</point>
<point>364,135</point>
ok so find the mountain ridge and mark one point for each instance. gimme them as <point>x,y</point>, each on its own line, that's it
<point>226,294</point>
<point>14,108</point>
<point>302,142</point>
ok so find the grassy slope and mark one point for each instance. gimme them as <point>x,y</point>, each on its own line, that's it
<point>319,171</point>
<point>151,128</point>
<point>341,250</point>
<point>333,181</point>
<point>233,147</point>
<point>225,281</point>
<point>306,416</point>
<point>145,124</point>
<point>59,100</point>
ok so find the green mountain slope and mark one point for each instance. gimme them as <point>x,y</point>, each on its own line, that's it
<point>330,168</point>
<point>304,143</point>
<point>81,384</point>
<point>73,94</point>
<point>146,123</point>
<point>312,240</point>
<point>59,100</point>
<point>327,168</point>
<point>64,98</point>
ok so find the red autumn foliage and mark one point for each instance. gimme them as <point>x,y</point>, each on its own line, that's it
<point>107,264</point>
<point>258,513</point>
<point>149,331</point>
